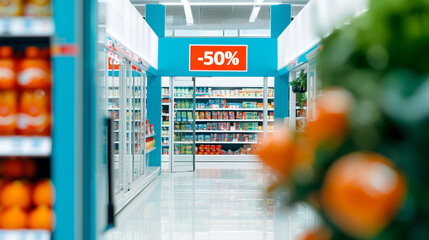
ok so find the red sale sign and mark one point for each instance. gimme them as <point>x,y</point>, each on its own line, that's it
<point>222,58</point>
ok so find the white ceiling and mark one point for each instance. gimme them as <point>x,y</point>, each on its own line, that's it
<point>218,14</point>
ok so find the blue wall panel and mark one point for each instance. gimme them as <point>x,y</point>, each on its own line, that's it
<point>281,96</point>
<point>154,109</point>
<point>280,19</point>
<point>174,56</point>
<point>155,17</point>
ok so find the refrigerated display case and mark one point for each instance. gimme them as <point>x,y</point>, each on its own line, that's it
<point>133,136</point>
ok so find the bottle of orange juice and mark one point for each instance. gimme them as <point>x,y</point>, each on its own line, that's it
<point>34,117</point>
<point>7,68</point>
<point>34,71</point>
<point>11,8</point>
<point>37,8</point>
<point>8,109</point>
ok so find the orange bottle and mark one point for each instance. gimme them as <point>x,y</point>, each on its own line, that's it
<point>37,8</point>
<point>8,110</point>
<point>7,68</point>
<point>34,115</point>
<point>34,71</point>
<point>11,8</point>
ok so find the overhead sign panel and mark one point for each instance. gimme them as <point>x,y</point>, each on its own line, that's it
<point>218,58</point>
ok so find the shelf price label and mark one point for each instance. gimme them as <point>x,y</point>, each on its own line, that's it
<point>222,58</point>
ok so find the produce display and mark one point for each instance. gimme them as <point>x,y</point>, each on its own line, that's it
<point>26,195</point>
<point>362,163</point>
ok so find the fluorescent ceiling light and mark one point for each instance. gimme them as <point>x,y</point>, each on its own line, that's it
<point>255,10</point>
<point>254,14</point>
<point>217,3</point>
<point>188,12</point>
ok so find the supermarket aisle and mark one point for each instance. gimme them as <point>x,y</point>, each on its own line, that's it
<point>210,205</point>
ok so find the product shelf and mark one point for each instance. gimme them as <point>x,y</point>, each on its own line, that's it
<point>150,150</point>
<point>219,131</point>
<point>25,146</point>
<point>212,97</point>
<point>25,234</point>
<point>205,143</point>
<point>150,135</point>
<point>220,109</point>
<point>26,27</point>
<point>165,104</point>
<point>229,120</point>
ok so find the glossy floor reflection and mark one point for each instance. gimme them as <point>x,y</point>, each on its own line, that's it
<point>215,204</point>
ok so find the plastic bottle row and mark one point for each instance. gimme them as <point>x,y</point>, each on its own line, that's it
<point>29,8</point>
<point>29,71</point>
<point>26,112</point>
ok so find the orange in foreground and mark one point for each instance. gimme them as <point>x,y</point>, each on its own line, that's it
<point>319,234</point>
<point>43,193</point>
<point>361,193</point>
<point>16,193</point>
<point>276,150</point>
<point>41,217</point>
<point>13,218</point>
<point>331,123</point>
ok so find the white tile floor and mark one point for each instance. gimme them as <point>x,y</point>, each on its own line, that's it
<point>215,204</point>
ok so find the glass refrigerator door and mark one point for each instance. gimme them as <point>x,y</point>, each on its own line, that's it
<point>113,93</point>
<point>183,127</point>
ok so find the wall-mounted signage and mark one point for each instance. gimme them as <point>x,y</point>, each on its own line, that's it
<point>218,58</point>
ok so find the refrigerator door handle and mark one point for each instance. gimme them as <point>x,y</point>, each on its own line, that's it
<point>110,204</point>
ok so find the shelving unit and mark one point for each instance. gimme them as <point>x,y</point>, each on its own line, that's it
<point>165,117</point>
<point>240,107</point>
<point>26,42</point>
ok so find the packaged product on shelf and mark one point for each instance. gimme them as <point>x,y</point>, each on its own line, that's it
<point>7,68</point>
<point>190,116</point>
<point>214,115</point>
<point>207,115</point>
<point>37,8</point>
<point>34,71</point>
<point>8,113</point>
<point>232,115</point>
<point>34,117</point>
<point>260,115</point>
<point>209,126</point>
<point>225,114</point>
<point>11,8</point>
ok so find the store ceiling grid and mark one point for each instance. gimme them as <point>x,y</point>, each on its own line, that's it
<point>218,14</point>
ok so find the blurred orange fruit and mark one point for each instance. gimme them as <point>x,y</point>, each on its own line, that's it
<point>41,217</point>
<point>361,193</point>
<point>43,193</point>
<point>276,150</point>
<point>13,218</point>
<point>16,193</point>
<point>319,234</point>
<point>330,125</point>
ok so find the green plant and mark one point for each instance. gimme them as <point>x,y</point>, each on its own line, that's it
<point>380,59</point>
<point>301,81</point>
<point>301,98</point>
